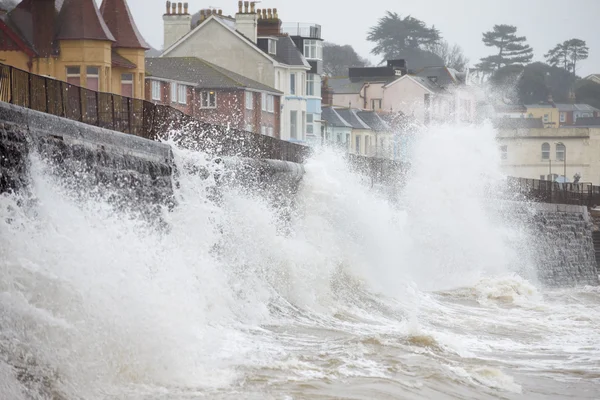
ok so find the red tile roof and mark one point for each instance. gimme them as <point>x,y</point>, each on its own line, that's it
<point>81,19</point>
<point>118,18</point>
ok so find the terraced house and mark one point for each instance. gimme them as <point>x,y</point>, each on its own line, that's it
<point>213,94</point>
<point>74,41</point>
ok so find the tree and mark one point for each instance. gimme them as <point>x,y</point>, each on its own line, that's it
<point>451,56</point>
<point>393,35</point>
<point>511,48</point>
<point>567,54</point>
<point>588,92</point>
<point>337,59</point>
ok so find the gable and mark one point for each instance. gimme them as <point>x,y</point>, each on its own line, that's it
<point>407,84</point>
<point>10,41</point>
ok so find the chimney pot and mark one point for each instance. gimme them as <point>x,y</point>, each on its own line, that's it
<point>252,6</point>
<point>246,4</point>
<point>264,13</point>
<point>258,11</point>
<point>270,13</point>
<point>185,8</point>
<point>240,3</point>
<point>220,12</point>
<point>179,8</point>
<point>173,8</point>
<point>275,14</point>
<point>168,7</point>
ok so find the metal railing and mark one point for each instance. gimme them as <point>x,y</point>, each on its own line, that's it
<point>136,116</point>
<point>583,194</point>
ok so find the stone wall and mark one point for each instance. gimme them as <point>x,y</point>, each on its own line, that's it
<point>562,247</point>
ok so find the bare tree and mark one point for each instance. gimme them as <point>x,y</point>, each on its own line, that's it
<point>452,56</point>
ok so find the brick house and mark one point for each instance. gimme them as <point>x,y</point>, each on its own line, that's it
<point>213,94</point>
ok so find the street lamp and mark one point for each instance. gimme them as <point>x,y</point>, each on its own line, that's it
<point>564,148</point>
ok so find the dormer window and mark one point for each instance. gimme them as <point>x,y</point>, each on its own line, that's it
<point>272,46</point>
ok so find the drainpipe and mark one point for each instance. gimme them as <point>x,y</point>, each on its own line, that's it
<point>365,95</point>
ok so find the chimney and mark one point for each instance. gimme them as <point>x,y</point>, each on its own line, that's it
<point>246,21</point>
<point>43,14</point>
<point>326,92</point>
<point>177,23</point>
<point>269,24</point>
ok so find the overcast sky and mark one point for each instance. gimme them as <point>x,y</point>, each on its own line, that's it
<point>544,22</point>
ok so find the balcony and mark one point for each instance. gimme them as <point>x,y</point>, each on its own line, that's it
<point>310,31</point>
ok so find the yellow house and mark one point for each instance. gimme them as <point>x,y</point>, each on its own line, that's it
<point>74,41</point>
<point>548,112</point>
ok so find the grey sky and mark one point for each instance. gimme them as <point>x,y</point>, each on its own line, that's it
<point>544,22</point>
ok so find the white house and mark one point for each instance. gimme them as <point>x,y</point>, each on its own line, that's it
<point>250,44</point>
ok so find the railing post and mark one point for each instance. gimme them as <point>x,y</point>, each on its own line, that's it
<point>63,112</point>
<point>10,85</point>
<point>29,89</point>
<point>97,109</point>
<point>46,94</point>
<point>114,121</point>
<point>129,100</point>
<point>80,103</point>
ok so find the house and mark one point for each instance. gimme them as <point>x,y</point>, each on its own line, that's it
<point>433,94</point>
<point>570,113</point>
<point>250,44</point>
<point>594,78</point>
<point>74,41</point>
<point>336,130</point>
<point>308,40</point>
<point>213,94</point>
<point>509,111</point>
<point>547,111</point>
<point>547,153</point>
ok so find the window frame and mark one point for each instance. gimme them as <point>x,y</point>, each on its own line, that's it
<point>310,125</point>
<point>128,82</point>
<point>546,153</point>
<point>173,89</point>
<point>205,103</point>
<point>263,101</point>
<point>293,83</point>
<point>249,100</point>
<point>156,90</point>
<point>270,103</point>
<point>92,75</point>
<point>182,94</point>
<point>504,152</point>
<point>310,84</point>
<point>294,124</point>
<point>73,75</point>
<point>564,151</point>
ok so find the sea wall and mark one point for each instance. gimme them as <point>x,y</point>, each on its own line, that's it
<point>561,244</point>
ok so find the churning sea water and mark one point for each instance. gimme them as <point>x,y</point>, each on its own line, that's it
<point>346,295</point>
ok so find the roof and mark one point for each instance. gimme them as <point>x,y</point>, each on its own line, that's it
<point>201,73</point>
<point>287,52</point>
<point>350,116</point>
<point>81,20</point>
<point>588,121</point>
<point>355,85</point>
<point>576,107</point>
<point>398,121</point>
<point>445,76</point>
<point>118,18</point>
<point>518,123</point>
<point>510,108</point>
<point>332,117</point>
<point>423,82</point>
<point>120,61</point>
<point>373,120</point>
<point>541,105</point>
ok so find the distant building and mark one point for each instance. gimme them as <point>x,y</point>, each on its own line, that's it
<point>250,44</point>
<point>594,78</point>
<point>308,40</point>
<point>431,94</point>
<point>547,153</point>
<point>556,115</point>
<point>74,41</point>
<point>213,94</point>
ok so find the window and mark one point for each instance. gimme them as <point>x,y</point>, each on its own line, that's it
<point>173,92</point>
<point>249,98</point>
<point>292,83</point>
<point>249,128</point>
<point>263,130</point>
<point>545,151</point>
<point>278,81</point>
<point>375,104</point>
<point>303,124</point>
<point>563,117</point>
<point>74,75</point>
<point>270,103</point>
<point>93,78</point>
<point>357,144</point>
<point>303,85</point>
<point>504,152</point>
<point>263,101</point>
<point>155,90</point>
<point>127,85</point>
<point>310,84</point>
<point>310,118</point>
<point>542,177</point>
<point>271,131</point>
<point>560,152</point>
<point>293,124</point>
<point>313,49</point>
<point>182,94</point>
<point>208,99</point>
<point>546,118</point>
<point>272,46</point>
<point>367,144</point>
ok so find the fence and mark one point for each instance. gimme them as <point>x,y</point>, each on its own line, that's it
<point>137,117</point>
<point>584,194</point>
